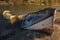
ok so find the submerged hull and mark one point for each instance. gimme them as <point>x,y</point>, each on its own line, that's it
<point>42,19</point>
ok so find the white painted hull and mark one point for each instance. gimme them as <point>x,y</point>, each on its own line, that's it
<point>47,23</point>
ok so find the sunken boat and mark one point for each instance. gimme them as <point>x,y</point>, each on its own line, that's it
<point>39,20</point>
